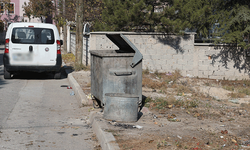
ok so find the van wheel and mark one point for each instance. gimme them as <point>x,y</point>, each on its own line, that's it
<point>7,75</point>
<point>57,75</point>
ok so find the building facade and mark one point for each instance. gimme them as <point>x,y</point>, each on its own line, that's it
<point>16,13</point>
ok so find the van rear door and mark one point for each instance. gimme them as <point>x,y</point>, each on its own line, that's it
<point>33,46</point>
<point>47,49</point>
<point>22,50</point>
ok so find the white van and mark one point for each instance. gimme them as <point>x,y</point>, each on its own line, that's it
<point>34,47</point>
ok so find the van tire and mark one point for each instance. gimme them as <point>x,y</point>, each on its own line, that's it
<point>7,75</point>
<point>57,75</point>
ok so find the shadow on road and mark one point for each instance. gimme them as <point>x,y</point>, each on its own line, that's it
<point>2,82</point>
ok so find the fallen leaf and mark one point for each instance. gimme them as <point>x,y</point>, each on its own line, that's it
<point>150,141</point>
<point>233,140</point>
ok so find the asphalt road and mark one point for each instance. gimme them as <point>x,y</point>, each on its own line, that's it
<point>37,113</point>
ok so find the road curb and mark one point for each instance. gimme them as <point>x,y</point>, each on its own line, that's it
<point>106,139</point>
<point>80,95</point>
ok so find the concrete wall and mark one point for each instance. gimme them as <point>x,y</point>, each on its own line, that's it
<point>166,53</point>
<point>85,51</point>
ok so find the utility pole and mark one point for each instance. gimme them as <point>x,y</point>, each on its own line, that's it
<point>64,30</point>
<point>79,30</point>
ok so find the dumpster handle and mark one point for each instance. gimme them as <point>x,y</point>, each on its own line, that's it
<point>123,73</point>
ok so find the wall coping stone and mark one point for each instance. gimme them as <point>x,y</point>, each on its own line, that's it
<point>138,33</point>
<point>209,44</point>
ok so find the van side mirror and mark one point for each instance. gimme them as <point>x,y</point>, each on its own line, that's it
<point>61,42</point>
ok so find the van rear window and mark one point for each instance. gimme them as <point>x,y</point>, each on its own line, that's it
<point>32,36</point>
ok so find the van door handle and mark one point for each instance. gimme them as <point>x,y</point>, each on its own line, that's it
<point>31,48</point>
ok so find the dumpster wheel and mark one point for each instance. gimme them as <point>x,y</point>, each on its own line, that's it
<point>96,103</point>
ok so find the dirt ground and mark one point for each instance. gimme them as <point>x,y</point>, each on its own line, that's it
<point>185,113</point>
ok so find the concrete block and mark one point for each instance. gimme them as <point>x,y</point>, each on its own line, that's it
<point>146,57</point>
<point>215,77</point>
<point>203,67</point>
<point>150,51</point>
<point>188,47</point>
<point>201,62</point>
<point>171,51</point>
<point>167,67</point>
<point>159,62</point>
<point>182,62</point>
<point>203,74</point>
<point>188,57</point>
<point>219,73</point>
<point>152,41</point>
<point>158,67</point>
<point>145,46</point>
<point>190,63</point>
<point>161,51</point>
<point>176,66</point>
<point>187,67</point>
<point>168,57</point>
<point>140,40</point>
<point>143,51</point>
<point>161,57</point>
<point>190,72</point>
<point>172,61</point>
<point>230,73</point>
<point>178,57</point>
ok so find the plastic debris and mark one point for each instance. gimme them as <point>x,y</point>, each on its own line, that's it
<point>170,82</point>
<point>64,85</point>
<point>190,76</point>
<point>235,101</point>
<point>138,127</point>
<point>69,87</point>
<point>72,93</point>
<point>169,74</point>
<point>179,137</point>
<point>221,137</point>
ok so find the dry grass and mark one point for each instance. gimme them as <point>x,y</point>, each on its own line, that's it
<point>79,67</point>
<point>68,58</point>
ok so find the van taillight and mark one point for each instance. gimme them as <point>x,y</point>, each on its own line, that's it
<point>58,46</point>
<point>6,46</point>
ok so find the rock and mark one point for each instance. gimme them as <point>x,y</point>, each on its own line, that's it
<point>145,110</point>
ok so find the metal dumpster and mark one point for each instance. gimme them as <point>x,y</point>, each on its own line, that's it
<point>116,71</point>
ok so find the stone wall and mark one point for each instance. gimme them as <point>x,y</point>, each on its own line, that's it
<point>166,53</point>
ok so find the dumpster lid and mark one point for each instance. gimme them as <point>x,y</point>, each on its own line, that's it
<point>126,45</point>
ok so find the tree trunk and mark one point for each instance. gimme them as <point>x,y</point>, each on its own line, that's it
<point>79,30</point>
<point>65,38</point>
<point>64,31</point>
